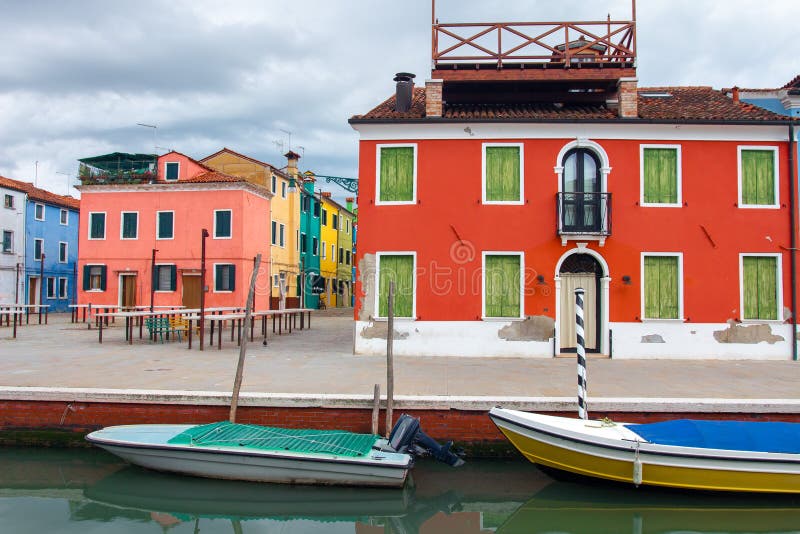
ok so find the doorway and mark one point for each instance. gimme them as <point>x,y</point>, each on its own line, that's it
<point>191,291</point>
<point>33,290</point>
<point>580,271</point>
<point>128,290</point>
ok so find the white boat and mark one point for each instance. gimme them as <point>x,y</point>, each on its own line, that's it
<point>268,454</point>
<point>705,455</point>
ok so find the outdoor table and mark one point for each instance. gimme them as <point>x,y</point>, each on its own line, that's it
<point>221,318</point>
<point>8,310</point>
<point>27,308</point>
<point>130,317</point>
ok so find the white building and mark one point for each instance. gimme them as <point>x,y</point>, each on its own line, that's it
<point>12,254</point>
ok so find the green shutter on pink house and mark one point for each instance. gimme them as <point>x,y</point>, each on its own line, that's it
<point>502,173</point>
<point>660,175</point>
<point>758,177</point>
<point>661,287</point>
<point>400,269</point>
<point>397,174</point>
<point>502,286</point>
<point>760,287</point>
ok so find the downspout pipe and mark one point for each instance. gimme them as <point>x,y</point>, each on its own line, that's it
<point>793,234</point>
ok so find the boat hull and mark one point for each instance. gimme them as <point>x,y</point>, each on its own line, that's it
<point>376,470</point>
<point>617,454</point>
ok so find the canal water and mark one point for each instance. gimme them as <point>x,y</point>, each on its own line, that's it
<point>90,491</point>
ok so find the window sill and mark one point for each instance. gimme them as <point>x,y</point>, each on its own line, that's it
<point>679,320</point>
<point>97,239</point>
<point>395,202</point>
<point>95,290</point>
<point>660,205</point>
<point>223,237</point>
<point>502,319</point>
<point>762,321</point>
<point>165,238</point>
<point>502,202</point>
<point>386,319</point>
<point>129,238</point>
<point>758,206</point>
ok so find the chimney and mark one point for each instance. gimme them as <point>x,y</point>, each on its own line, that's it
<point>735,91</point>
<point>404,92</point>
<point>433,98</point>
<point>350,201</point>
<point>326,194</point>
<point>291,168</point>
<point>628,98</point>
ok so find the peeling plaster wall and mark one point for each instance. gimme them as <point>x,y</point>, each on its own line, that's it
<point>447,338</point>
<point>366,275</point>
<point>696,341</point>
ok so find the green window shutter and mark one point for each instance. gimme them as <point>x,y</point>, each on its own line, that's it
<point>232,271</point>
<point>86,275</point>
<point>102,277</point>
<point>661,287</point>
<point>760,287</point>
<point>660,175</point>
<point>501,286</point>
<point>399,269</point>
<point>397,174</point>
<point>502,173</point>
<point>218,278</point>
<point>758,177</point>
<point>98,225</point>
<point>223,224</point>
<point>165,225</point>
<point>173,275</point>
<point>154,278</point>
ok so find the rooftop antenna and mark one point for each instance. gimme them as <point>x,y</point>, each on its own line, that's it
<point>302,150</point>
<point>69,181</point>
<point>279,145</point>
<point>287,132</point>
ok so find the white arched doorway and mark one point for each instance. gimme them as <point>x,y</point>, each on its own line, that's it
<point>585,268</point>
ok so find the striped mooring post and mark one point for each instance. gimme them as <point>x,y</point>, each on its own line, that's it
<point>583,409</point>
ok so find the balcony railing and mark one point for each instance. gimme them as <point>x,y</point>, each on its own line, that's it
<point>610,43</point>
<point>584,213</point>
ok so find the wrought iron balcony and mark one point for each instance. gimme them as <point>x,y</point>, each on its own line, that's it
<point>584,214</point>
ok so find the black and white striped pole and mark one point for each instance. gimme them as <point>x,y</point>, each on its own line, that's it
<point>583,409</point>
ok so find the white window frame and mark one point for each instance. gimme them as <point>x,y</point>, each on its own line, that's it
<point>215,279</point>
<point>775,179</point>
<point>778,278</point>
<point>283,189</point>
<point>122,225</point>
<point>314,246</point>
<point>281,235</point>
<point>8,201</point>
<point>378,255</point>
<point>215,224</point>
<point>158,225</point>
<point>63,217</point>
<point>521,200</point>
<point>333,252</point>
<point>41,250</point>
<point>274,184</point>
<point>274,233</point>
<point>54,294</point>
<point>521,255</point>
<point>66,252</point>
<point>36,206</point>
<point>681,313</point>
<point>324,250</point>
<point>65,294</point>
<point>99,289</point>
<point>378,201</point>
<point>159,283</point>
<point>105,225</point>
<point>11,249</point>
<point>275,280</point>
<point>678,176</point>
<point>166,163</point>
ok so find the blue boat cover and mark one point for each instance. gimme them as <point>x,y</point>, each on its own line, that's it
<point>727,435</point>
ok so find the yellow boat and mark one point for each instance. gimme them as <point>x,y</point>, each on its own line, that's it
<point>689,454</point>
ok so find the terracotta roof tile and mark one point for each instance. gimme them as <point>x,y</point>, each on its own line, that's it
<point>682,103</point>
<point>240,155</point>
<point>212,177</point>
<point>793,83</point>
<point>35,193</point>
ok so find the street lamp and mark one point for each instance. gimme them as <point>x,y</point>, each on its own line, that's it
<point>204,235</point>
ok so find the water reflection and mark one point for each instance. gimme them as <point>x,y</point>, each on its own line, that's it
<point>90,491</point>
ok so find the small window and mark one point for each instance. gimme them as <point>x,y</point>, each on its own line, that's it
<point>224,277</point>
<point>8,201</point>
<point>303,244</point>
<point>341,255</point>
<point>223,224</point>
<point>165,278</point>
<point>130,225</point>
<point>502,285</point>
<point>38,249</point>
<point>282,234</point>
<point>397,173</point>
<point>662,287</point>
<point>8,241</point>
<point>661,177</point>
<point>324,250</point>
<point>63,289</point>
<point>274,233</point>
<point>333,253</point>
<point>94,277</point>
<point>274,184</point>
<point>347,226</point>
<point>398,268</point>
<point>165,222</point>
<point>97,226</point>
<point>760,288</point>
<point>335,222</point>
<point>324,217</point>
<point>38,212</point>
<point>51,287</point>
<point>316,209</point>
<point>758,183</point>
<point>502,174</point>
<point>171,170</point>
<point>348,257</point>
<point>62,252</point>
<point>64,217</point>
<point>283,189</point>
<point>314,246</point>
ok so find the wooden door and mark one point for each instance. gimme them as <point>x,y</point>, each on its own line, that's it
<point>128,299</point>
<point>569,283</point>
<point>33,290</point>
<point>191,291</point>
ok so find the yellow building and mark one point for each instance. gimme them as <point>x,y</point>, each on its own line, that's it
<point>284,220</point>
<point>329,247</point>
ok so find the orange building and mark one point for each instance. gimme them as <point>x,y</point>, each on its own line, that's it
<point>141,232</point>
<point>518,176</point>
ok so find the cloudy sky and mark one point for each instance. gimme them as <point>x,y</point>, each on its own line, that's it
<point>77,76</point>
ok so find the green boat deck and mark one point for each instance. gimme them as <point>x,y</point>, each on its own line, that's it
<point>264,438</point>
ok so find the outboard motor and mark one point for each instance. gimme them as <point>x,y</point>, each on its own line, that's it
<point>408,437</point>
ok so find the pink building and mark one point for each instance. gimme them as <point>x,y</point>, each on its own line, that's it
<point>141,232</point>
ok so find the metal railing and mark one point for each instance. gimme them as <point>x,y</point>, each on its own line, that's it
<point>584,213</point>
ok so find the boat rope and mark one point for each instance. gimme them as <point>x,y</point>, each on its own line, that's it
<point>605,422</point>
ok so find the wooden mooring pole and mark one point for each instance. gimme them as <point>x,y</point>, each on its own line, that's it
<point>376,408</point>
<point>390,360</point>
<point>248,311</point>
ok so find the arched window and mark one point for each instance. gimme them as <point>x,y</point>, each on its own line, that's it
<point>581,191</point>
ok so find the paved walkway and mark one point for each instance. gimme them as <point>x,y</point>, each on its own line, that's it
<point>319,362</point>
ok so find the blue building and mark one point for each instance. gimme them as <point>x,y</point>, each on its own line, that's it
<point>51,248</point>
